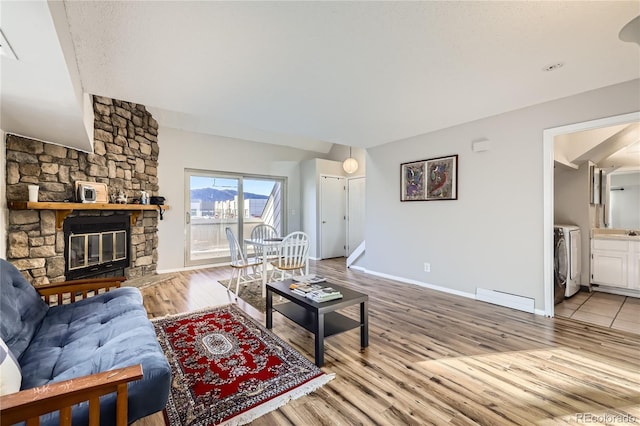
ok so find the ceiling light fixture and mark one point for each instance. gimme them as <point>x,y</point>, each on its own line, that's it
<point>5,47</point>
<point>553,67</point>
<point>350,165</point>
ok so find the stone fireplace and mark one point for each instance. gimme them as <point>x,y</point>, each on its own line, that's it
<point>125,158</point>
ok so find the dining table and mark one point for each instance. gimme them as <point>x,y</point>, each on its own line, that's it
<point>264,247</point>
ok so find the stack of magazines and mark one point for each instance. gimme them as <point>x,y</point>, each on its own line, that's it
<point>316,292</point>
<point>309,279</point>
<point>303,289</point>
<point>324,294</point>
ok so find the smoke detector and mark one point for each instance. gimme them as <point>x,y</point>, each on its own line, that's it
<point>553,67</point>
<point>5,47</point>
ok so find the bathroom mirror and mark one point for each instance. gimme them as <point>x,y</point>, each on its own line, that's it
<point>623,199</point>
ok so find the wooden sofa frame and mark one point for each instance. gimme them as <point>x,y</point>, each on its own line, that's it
<point>29,404</point>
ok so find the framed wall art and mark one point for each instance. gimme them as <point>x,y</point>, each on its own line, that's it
<point>429,180</point>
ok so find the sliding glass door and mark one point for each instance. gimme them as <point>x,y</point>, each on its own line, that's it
<point>213,204</point>
<point>263,204</point>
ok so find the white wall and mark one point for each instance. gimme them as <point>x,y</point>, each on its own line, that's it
<point>309,203</point>
<point>571,195</point>
<point>3,198</point>
<point>492,236</point>
<point>572,207</point>
<point>180,150</point>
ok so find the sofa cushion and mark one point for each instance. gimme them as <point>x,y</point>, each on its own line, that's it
<point>21,309</point>
<point>10,375</point>
<point>91,335</point>
<point>101,333</point>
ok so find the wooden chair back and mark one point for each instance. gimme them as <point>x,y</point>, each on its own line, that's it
<point>294,251</point>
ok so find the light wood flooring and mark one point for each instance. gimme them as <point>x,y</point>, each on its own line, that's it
<point>436,358</point>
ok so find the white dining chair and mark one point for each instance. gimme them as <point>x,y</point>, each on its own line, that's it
<point>293,256</point>
<point>265,232</point>
<point>240,263</point>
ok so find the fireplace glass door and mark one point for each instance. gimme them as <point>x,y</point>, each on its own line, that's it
<point>86,250</point>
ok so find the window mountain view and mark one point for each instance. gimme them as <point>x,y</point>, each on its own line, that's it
<point>212,195</point>
<point>207,197</point>
<point>214,206</point>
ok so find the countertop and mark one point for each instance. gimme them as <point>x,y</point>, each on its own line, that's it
<point>614,234</point>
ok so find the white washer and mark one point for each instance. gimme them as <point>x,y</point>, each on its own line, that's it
<point>568,256</point>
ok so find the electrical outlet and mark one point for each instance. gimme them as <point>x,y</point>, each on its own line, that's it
<point>427,267</point>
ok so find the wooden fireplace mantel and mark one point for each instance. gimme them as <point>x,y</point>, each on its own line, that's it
<point>65,209</point>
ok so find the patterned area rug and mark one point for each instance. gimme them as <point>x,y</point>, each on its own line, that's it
<point>228,369</point>
<point>252,294</point>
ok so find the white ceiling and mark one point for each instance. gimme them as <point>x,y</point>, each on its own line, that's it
<point>611,148</point>
<point>41,96</point>
<point>311,74</point>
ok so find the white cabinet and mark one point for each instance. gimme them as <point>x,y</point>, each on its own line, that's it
<point>634,265</point>
<point>615,263</point>
<point>609,268</point>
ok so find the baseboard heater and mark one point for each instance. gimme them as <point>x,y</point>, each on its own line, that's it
<point>508,300</point>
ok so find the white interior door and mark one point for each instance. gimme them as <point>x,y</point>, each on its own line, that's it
<point>355,213</point>
<point>332,217</point>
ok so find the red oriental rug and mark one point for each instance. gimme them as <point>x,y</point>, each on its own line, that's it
<point>228,369</point>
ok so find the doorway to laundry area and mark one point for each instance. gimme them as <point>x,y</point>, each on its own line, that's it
<point>610,310</point>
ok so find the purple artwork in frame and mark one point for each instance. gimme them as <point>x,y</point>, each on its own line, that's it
<point>429,180</point>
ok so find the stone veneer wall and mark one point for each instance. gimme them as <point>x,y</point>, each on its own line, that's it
<point>125,158</point>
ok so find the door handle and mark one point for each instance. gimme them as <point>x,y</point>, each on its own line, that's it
<point>188,217</point>
<point>324,221</point>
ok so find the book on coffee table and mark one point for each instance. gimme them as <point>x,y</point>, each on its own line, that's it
<point>324,294</point>
<point>303,288</point>
<point>310,279</point>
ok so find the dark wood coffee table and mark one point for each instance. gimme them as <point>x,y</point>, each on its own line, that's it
<point>320,318</point>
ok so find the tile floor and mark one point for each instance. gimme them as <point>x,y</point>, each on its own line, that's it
<point>608,310</point>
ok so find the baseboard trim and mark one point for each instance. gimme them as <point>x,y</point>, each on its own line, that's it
<point>190,268</point>
<point>525,307</point>
<point>419,283</point>
<point>614,290</point>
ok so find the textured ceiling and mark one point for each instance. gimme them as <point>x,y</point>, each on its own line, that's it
<point>310,74</point>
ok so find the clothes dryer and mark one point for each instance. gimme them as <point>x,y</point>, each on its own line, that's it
<point>559,267</point>
<point>568,257</point>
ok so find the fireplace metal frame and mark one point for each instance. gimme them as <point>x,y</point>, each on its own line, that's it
<point>96,225</point>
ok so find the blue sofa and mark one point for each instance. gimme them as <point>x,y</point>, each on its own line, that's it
<point>101,333</point>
